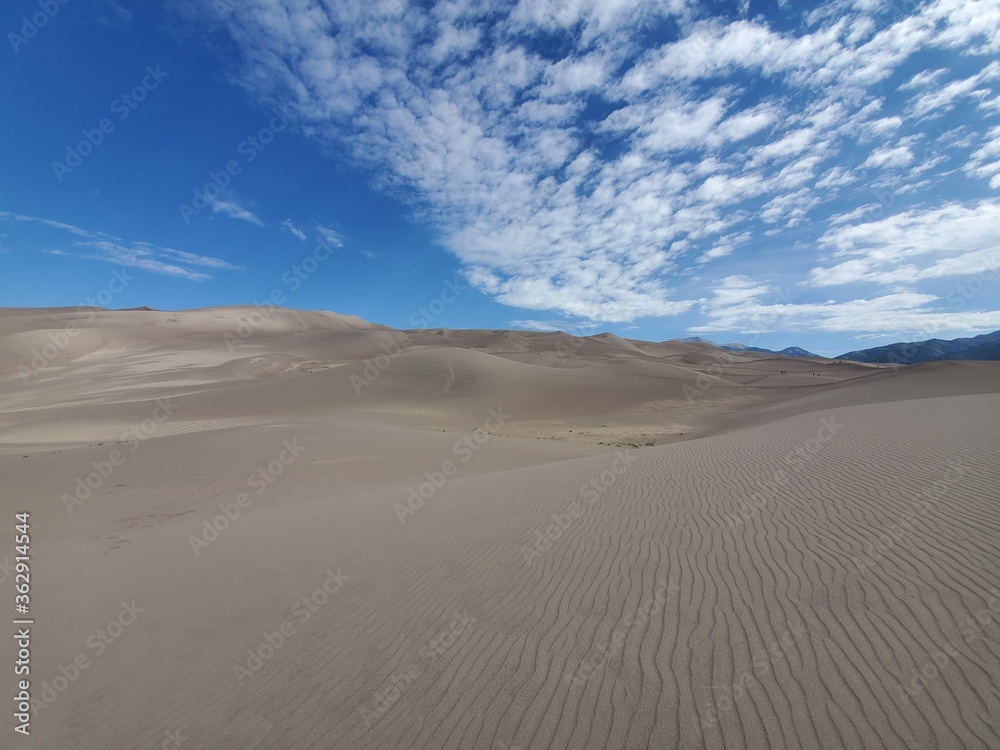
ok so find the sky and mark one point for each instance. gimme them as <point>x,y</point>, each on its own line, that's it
<point>825,175</point>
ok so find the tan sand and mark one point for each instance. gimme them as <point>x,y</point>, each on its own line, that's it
<point>812,563</point>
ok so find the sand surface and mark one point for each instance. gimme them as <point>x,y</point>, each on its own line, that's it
<point>491,539</point>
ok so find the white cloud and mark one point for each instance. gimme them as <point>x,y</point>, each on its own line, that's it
<point>719,251</point>
<point>940,99</point>
<point>985,161</point>
<point>712,49</point>
<point>582,181</point>
<point>924,79</point>
<point>568,326</point>
<point>532,325</point>
<point>150,258</point>
<point>670,124</point>
<point>289,226</point>
<point>836,177</point>
<point>899,156</point>
<point>453,42</point>
<point>573,75</point>
<point>193,259</point>
<point>140,257</point>
<point>54,224</point>
<point>230,206</point>
<point>791,207</point>
<point>748,122</point>
<point>882,127</point>
<point>791,144</point>
<point>108,248</point>
<point>953,240</point>
<point>594,15</point>
<point>738,304</point>
<point>726,189</point>
<point>329,236</point>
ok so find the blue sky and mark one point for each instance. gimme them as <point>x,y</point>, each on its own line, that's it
<point>825,175</point>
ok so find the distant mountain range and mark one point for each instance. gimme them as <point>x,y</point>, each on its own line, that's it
<point>986,346</point>
<point>788,351</point>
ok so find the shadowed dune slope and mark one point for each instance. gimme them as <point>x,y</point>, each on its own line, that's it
<point>928,380</point>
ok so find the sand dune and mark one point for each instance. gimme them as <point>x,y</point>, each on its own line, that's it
<point>326,533</point>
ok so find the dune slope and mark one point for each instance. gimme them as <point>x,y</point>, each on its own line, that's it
<point>284,561</point>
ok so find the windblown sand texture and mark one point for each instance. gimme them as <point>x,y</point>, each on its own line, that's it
<point>800,553</point>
